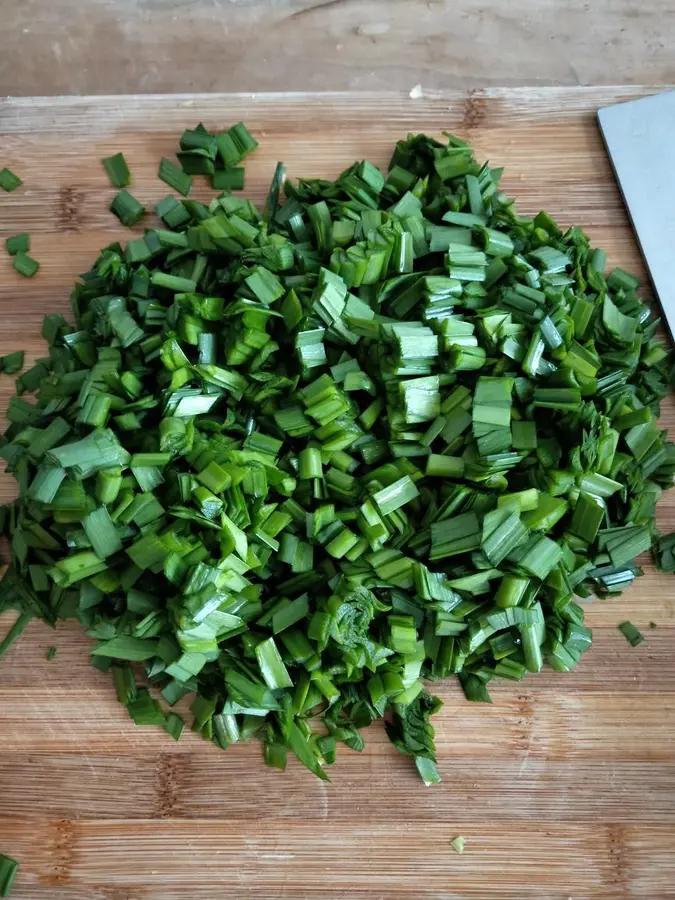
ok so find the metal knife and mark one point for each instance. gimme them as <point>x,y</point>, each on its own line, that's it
<point>640,140</point>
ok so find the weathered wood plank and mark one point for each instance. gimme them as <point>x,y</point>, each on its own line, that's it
<point>388,858</point>
<point>196,781</point>
<point>126,46</point>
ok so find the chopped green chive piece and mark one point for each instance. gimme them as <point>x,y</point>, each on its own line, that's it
<point>117,169</point>
<point>14,632</point>
<point>127,208</point>
<point>175,177</point>
<point>664,552</point>
<point>588,514</point>
<point>173,283</point>
<point>8,870</point>
<point>631,633</point>
<point>173,213</point>
<point>11,363</point>
<point>127,647</point>
<point>228,179</point>
<point>235,144</point>
<point>25,265</point>
<point>9,181</point>
<point>458,844</point>
<point>19,243</point>
<point>174,726</point>
<point>102,533</point>
<point>395,495</point>
<point>145,710</point>
<point>273,670</point>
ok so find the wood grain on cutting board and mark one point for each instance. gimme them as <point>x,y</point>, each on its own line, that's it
<point>563,788</point>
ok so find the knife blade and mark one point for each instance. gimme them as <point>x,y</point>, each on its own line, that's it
<point>640,139</point>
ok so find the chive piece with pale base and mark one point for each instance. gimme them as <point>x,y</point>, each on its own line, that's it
<point>458,843</point>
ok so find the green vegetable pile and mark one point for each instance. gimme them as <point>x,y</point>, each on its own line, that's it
<point>297,462</point>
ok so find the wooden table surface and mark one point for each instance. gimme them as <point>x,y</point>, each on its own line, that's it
<point>563,788</point>
<point>130,46</point>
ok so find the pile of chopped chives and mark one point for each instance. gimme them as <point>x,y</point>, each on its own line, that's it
<point>294,464</point>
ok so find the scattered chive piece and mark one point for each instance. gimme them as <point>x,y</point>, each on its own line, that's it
<point>631,633</point>
<point>18,243</point>
<point>663,552</point>
<point>228,179</point>
<point>8,870</point>
<point>51,653</point>
<point>173,282</point>
<point>24,264</point>
<point>458,844</point>
<point>175,177</point>
<point>127,647</point>
<point>653,625</point>
<point>14,632</point>
<point>9,181</point>
<point>295,463</point>
<point>11,363</point>
<point>117,169</point>
<point>174,726</point>
<point>127,208</point>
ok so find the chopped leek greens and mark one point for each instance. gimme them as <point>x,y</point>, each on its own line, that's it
<point>175,177</point>
<point>24,264</point>
<point>631,633</point>
<point>127,208</point>
<point>8,180</point>
<point>297,462</point>
<point>458,843</point>
<point>8,870</point>
<point>11,363</point>
<point>18,243</point>
<point>117,169</point>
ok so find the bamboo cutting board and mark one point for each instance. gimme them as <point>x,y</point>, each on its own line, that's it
<point>563,788</point>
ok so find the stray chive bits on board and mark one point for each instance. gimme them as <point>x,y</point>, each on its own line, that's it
<point>458,844</point>
<point>631,633</point>
<point>11,363</point>
<point>25,265</point>
<point>8,869</point>
<point>18,243</point>
<point>51,653</point>
<point>14,632</point>
<point>290,466</point>
<point>9,181</point>
<point>117,169</point>
<point>127,208</point>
